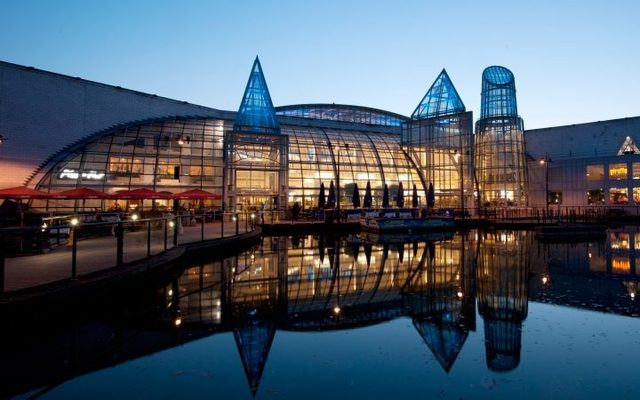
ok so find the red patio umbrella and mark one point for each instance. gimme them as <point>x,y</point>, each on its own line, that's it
<point>140,194</point>
<point>22,192</point>
<point>80,193</point>
<point>196,194</point>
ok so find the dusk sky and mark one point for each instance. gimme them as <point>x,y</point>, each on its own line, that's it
<point>574,61</point>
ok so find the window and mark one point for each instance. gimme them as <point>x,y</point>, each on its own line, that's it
<point>636,195</point>
<point>617,171</point>
<point>554,198</point>
<point>595,172</point>
<point>595,196</point>
<point>618,196</point>
<point>635,170</point>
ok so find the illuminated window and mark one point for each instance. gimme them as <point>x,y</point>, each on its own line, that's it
<point>636,195</point>
<point>618,196</point>
<point>617,171</point>
<point>619,241</point>
<point>635,170</point>
<point>554,198</point>
<point>620,265</point>
<point>595,172</point>
<point>125,165</point>
<point>595,196</point>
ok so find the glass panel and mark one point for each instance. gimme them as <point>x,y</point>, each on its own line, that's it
<point>636,195</point>
<point>636,170</point>
<point>595,172</point>
<point>618,196</point>
<point>618,171</point>
<point>595,196</point>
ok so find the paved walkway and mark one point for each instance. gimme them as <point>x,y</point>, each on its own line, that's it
<point>99,253</point>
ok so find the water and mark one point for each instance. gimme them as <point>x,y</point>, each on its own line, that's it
<point>475,315</point>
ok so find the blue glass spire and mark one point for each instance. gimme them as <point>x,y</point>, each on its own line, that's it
<point>256,113</point>
<point>498,93</point>
<point>254,341</point>
<point>441,99</point>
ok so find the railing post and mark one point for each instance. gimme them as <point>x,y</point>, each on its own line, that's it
<point>1,262</point>
<point>246,221</point>
<point>222,224</point>
<point>166,232</point>
<point>119,243</point>
<point>149,238</point>
<point>74,252</point>
<point>237,223</point>
<point>175,230</point>
<point>202,217</point>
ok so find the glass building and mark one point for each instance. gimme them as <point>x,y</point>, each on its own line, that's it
<point>438,140</point>
<point>260,156</point>
<point>499,142</point>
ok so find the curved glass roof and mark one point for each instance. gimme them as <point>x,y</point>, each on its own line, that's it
<point>343,113</point>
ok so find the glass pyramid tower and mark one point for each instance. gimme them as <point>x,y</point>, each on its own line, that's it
<point>256,113</point>
<point>441,99</point>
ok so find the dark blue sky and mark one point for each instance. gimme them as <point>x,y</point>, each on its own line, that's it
<point>574,61</point>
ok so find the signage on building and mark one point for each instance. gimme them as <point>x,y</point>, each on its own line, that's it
<point>73,174</point>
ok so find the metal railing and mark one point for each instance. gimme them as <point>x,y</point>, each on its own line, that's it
<point>65,248</point>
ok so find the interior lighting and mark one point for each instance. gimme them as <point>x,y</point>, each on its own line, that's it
<point>178,321</point>
<point>182,140</point>
<point>134,217</point>
<point>74,221</point>
<point>336,310</point>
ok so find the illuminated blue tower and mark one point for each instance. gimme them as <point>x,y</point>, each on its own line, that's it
<point>499,143</point>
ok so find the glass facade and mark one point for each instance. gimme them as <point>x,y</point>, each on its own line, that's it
<point>343,113</point>
<point>438,140</point>
<point>499,143</point>
<point>169,155</point>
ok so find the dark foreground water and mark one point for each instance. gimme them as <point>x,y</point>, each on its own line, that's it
<point>495,315</point>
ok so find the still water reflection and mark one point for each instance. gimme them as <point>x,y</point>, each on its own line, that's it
<point>474,315</point>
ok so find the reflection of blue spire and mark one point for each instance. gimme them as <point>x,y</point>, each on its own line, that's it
<point>256,113</point>
<point>254,342</point>
<point>444,339</point>
<point>441,99</point>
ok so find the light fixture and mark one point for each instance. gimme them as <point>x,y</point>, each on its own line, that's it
<point>2,139</point>
<point>336,310</point>
<point>134,217</point>
<point>74,221</point>
<point>182,140</point>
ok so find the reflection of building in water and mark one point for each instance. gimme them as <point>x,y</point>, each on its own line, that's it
<point>254,339</point>
<point>441,299</point>
<point>502,275</point>
<point>575,267</point>
<point>331,283</point>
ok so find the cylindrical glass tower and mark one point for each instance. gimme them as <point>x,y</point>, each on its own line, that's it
<point>499,143</point>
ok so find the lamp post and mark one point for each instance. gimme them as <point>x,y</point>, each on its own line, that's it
<point>545,161</point>
<point>337,151</point>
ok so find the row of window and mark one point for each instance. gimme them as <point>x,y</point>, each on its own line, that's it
<point>616,171</point>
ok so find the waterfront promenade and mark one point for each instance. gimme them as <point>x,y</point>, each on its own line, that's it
<point>98,253</point>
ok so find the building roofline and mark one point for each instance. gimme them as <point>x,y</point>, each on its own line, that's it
<point>581,124</point>
<point>336,105</point>
<point>77,78</point>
